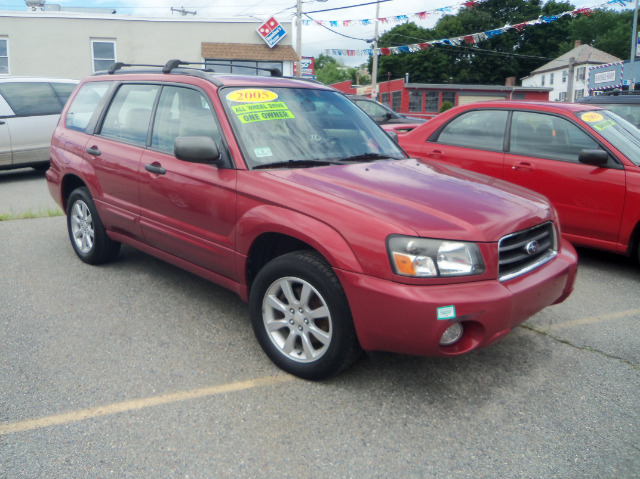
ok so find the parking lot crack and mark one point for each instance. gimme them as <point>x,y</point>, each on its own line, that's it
<point>582,348</point>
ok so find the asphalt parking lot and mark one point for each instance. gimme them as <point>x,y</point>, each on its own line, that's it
<point>139,369</point>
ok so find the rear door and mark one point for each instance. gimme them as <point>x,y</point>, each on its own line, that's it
<point>543,156</point>
<point>5,134</point>
<point>115,153</point>
<point>474,140</point>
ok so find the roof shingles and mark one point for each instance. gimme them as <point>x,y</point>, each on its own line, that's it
<point>245,51</point>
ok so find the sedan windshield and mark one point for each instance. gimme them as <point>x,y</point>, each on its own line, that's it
<point>616,130</point>
<point>302,127</point>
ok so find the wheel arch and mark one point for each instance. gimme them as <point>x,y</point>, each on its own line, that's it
<point>69,183</point>
<point>633,248</point>
<point>269,232</point>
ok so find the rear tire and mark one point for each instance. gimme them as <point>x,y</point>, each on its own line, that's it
<point>301,317</point>
<point>86,231</point>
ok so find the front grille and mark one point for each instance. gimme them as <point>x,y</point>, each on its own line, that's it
<point>525,250</point>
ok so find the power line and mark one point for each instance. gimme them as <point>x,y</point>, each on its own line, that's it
<point>337,33</point>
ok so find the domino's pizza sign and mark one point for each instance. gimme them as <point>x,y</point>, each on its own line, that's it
<point>271,32</point>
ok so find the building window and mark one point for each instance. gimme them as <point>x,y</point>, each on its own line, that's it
<point>415,101</point>
<point>396,100</point>
<point>4,56</point>
<point>564,76</point>
<point>449,96</point>
<point>550,78</point>
<point>542,80</point>
<point>578,94</point>
<point>563,96</point>
<point>103,54</point>
<point>580,73</point>
<point>432,101</point>
<point>243,67</point>
<point>384,99</point>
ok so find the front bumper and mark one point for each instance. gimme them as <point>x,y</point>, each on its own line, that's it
<point>402,318</point>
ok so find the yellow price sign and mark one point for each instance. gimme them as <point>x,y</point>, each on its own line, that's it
<point>592,117</point>
<point>252,95</point>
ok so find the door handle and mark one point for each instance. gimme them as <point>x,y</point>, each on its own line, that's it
<point>93,150</point>
<point>522,166</point>
<point>435,154</point>
<point>155,168</point>
<point>2,122</point>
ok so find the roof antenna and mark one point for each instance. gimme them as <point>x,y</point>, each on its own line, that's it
<point>182,11</point>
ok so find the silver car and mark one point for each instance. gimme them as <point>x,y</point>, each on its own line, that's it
<point>29,112</point>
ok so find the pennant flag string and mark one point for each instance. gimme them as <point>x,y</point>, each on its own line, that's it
<point>398,19</point>
<point>470,39</point>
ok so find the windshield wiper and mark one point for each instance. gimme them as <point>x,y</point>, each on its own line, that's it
<point>296,164</point>
<point>368,157</point>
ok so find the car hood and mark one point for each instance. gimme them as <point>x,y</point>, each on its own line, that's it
<point>431,200</point>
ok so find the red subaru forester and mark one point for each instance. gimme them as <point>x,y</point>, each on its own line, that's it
<point>285,192</point>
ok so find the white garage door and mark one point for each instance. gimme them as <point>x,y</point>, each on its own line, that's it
<point>466,99</point>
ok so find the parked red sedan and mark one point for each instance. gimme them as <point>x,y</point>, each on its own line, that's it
<point>585,159</point>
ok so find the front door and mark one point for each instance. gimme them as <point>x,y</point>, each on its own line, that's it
<point>543,156</point>
<point>188,209</point>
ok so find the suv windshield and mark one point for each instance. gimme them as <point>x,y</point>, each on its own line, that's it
<point>616,130</point>
<point>300,127</point>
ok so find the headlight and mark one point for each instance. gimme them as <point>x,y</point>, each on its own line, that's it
<point>431,258</point>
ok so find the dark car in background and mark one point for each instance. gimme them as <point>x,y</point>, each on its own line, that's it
<point>384,116</point>
<point>623,103</point>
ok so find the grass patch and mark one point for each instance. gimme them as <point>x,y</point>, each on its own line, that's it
<point>51,212</point>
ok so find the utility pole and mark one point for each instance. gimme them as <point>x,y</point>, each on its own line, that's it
<point>374,66</point>
<point>634,45</point>
<point>572,67</point>
<point>299,39</point>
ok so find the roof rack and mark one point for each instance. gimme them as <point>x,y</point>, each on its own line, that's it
<point>118,65</point>
<point>175,63</point>
<point>171,64</point>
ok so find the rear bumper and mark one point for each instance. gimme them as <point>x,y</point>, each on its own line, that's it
<point>402,318</point>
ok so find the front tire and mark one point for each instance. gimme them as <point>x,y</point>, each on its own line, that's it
<point>301,317</point>
<point>86,231</point>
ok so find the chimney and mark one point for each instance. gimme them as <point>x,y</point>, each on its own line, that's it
<point>577,44</point>
<point>510,81</point>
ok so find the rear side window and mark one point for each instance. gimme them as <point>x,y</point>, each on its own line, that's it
<point>129,114</point>
<point>63,91</point>
<point>84,104</point>
<point>479,129</point>
<point>31,98</point>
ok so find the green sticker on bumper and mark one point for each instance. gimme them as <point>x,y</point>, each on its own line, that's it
<point>446,312</point>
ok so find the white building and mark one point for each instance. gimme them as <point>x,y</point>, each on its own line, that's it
<point>555,74</point>
<point>76,44</point>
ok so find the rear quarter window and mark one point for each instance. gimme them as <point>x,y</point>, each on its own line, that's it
<point>31,98</point>
<point>84,104</point>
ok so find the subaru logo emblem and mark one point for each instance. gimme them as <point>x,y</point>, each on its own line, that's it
<point>532,247</point>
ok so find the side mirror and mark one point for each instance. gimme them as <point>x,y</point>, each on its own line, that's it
<point>593,157</point>
<point>196,149</point>
<point>393,135</point>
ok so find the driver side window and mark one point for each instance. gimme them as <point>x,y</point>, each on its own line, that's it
<point>182,112</point>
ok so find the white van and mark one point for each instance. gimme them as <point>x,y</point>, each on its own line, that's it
<point>29,112</point>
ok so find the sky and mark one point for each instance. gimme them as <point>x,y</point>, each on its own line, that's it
<point>315,38</point>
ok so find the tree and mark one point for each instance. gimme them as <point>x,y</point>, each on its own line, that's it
<point>511,53</point>
<point>605,30</point>
<point>329,71</point>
